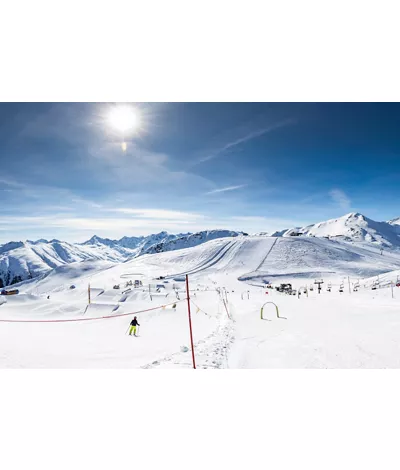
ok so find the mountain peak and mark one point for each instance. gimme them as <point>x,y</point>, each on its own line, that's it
<point>354,215</point>
<point>35,242</point>
<point>352,227</point>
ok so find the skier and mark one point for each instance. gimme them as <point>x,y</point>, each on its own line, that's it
<point>134,324</point>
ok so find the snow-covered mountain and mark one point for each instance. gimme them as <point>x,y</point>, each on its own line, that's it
<point>138,244</point>
<point>395,223</point>
<point>25,260</point>
<point>280,233</point>
<point>353,227</point>
<point>194,239</point>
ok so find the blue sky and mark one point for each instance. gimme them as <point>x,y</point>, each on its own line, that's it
<point>193,166</point>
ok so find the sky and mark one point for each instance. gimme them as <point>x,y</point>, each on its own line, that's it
<point>255,167</point>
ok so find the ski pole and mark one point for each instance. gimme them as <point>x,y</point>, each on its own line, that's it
<point>127,329</point>
<point>138,331</point>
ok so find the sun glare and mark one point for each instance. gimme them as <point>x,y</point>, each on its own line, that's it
<point>124,118</point>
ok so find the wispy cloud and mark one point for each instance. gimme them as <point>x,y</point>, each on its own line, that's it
<point>158,213</point>
<point>12,183</point>
<point>267,223</point>
<point>339,197</point>
<point>80,200</point>
<point>245,138</point>
<point>228,188</point>
<point>60,226</point>
<point>81,228</point>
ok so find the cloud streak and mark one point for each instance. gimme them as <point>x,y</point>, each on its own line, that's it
<point>12,183</point>
<point>339,197</point>
<point>228,188</point>
<point>158,214</point>
<point>80,228</point>
<point>246,138</point>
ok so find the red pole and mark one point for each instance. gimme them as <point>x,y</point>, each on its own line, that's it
<point>190,320</point>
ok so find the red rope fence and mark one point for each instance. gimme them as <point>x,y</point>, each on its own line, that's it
<point>89,319</point>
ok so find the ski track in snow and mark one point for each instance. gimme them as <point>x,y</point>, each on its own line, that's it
<point>210,352</point>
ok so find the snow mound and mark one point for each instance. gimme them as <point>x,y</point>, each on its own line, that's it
<point>95,309</point>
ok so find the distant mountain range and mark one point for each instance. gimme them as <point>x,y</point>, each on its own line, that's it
<point>136,246</point>
<point>24,260</point>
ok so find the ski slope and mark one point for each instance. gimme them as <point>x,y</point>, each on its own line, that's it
<point>50,325</point>
<point>262,258</point>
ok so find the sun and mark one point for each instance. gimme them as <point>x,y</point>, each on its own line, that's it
<point>124,118</point>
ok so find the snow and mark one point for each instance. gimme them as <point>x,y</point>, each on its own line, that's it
<point>328,330</point>
<point>192,240</point>
<point>25,260</point>
<point>352,227</point>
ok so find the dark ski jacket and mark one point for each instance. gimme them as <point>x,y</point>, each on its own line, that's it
<point>134,323</point>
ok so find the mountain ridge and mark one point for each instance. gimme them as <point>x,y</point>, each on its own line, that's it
<point>25,260</point>
<point>351,227</point>
<point>20,261</point>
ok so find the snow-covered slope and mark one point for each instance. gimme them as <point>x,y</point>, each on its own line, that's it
<point>192,240</point>
<point>353,227</point>
<point>256,260</point>
<point>25,260</point>
<point>48,324</point>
